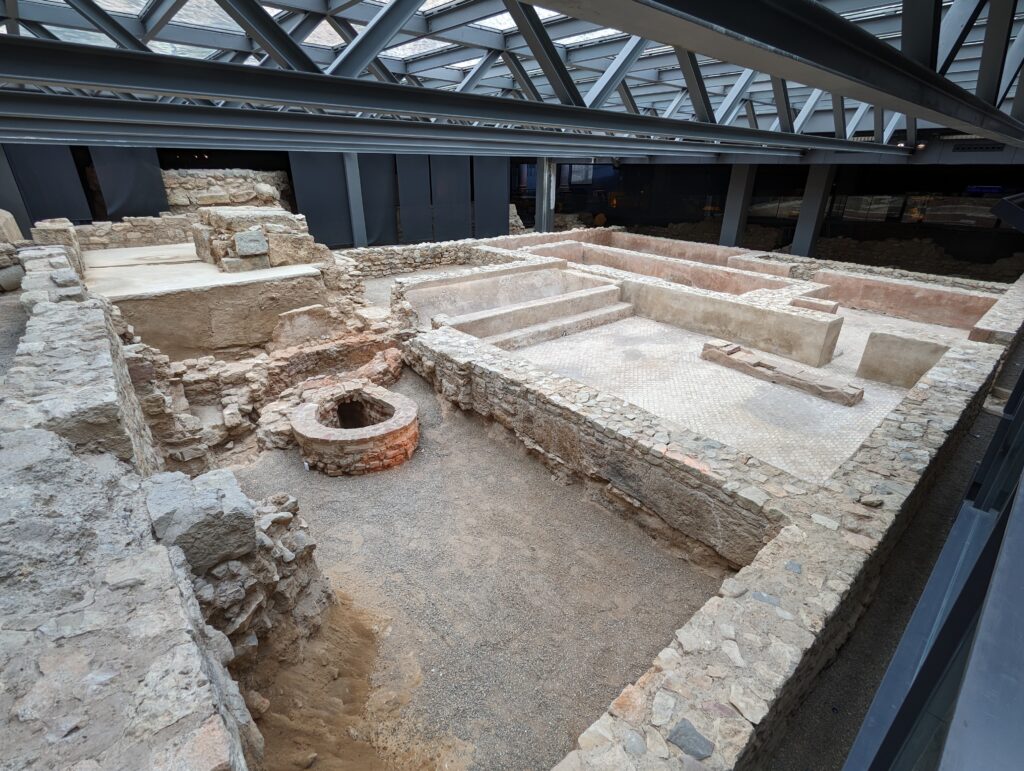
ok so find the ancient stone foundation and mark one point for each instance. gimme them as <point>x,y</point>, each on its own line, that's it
<point>238,238</point>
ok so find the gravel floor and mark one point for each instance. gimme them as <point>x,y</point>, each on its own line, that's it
<point>12,326</point>
<point>516,608</point>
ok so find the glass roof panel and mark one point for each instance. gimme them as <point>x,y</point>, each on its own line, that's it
<point>325,35</point>
<point>585,37</point>
<point>83,36</point>
<point>415,48</point>
<point>205,13</point>
<point>178,49</point>
<point>134,7</point>
<point>503,21</point>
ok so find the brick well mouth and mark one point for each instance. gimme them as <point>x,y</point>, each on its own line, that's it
<point>354,410</point>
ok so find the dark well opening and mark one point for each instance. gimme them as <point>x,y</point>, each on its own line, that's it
<point>358,411</point>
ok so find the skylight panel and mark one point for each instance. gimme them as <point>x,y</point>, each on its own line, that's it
<point>503,21</point>
<point>586,37</point>
<point>205,13</point>
<point>134,7</point>
<point>415,48</point>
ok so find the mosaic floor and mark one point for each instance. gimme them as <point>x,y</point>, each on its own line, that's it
<point>658,367</point>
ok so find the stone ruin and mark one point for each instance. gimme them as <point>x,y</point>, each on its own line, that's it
<point>240,238</point>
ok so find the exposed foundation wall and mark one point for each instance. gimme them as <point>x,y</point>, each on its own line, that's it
<point>69,374</point>
<point>188,189</point>
<point>950,307</point>
<point>807,336</point>
<point>730,677</point>
<point>136,231</point>
<point>676,270</point>
<point>231,315</point>
<point>705,490</point>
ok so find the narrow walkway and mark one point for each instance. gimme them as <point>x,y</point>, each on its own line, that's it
<point>12,326</point>
<point>826,724</point>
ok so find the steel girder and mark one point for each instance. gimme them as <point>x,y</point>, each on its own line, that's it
<point>82,116</point>
<point>358,55</point>
<point>802,40</point>
<point>64,64</point>
<point>544,51</point>
<point>107,24</point>
<point>261,27</point>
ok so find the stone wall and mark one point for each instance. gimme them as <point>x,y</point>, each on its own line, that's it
<point>721,690</point>
<point>188,189</point>
<point>136,231</point>
<point>69,374</point>
<point>699,487</point>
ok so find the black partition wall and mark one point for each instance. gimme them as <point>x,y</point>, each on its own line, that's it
<point>48,182</point>
<point>130,181</point>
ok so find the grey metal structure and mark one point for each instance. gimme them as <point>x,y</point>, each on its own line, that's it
<point>591,75</point>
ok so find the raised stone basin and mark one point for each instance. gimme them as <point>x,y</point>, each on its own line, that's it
<point>357,428</point>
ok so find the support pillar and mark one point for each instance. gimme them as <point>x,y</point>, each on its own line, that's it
<point>354,188</point>
<point>547,185</point>
<point>737,204</point>
<point>812,209</point>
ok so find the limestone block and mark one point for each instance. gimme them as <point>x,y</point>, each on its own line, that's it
<point>9,230</point>
<point>242,264</point>
<point>295,249</point>
<point>235,218</point>
<point>209,518</point>
<point>250,243</point>
<point>202,236</point>
<point>10,277</point>
<point>213,196</point>
<point>303,324</point>
<point>899,360</point>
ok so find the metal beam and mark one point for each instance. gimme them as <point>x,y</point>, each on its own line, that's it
<point>812,209</point>
<point>730,107</point>
<point>107,24</point>
<point>839,115</point>
<point>11,23</point>
<point>88,115</point>
<point>348,33</point>
<point>24,60</point>
<point>674,105</point>
<point>921,22</point>
<point>737,204</point>
<point>858,117</point>
<point>959,20</point>
<point>805,42</point>
<point>354,189</point>
<point>993,52</point>
<point>251,16</point>
<point>695,86</point>
<point>807,110</point>
<point>606,85</point>
<point>878,116</point>
<point>544,51</point>
<point>547,186</point>
<point>156,16</point>
<point>374,38</point>
<point>751,110</point>
<point>628,101</point>
<point>521,76</point>
<point>782,104</point>
<point>1014,60</point>
<point>480,69</point>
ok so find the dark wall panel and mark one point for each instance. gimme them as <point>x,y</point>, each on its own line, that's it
<point>380,197</point>
<point>490,196</point>
<point>49,182</point>
<point>450,191</point>
<point>318,180</point>
<point>130,181</point>
<point>10,196</point>
<point>414,198</point>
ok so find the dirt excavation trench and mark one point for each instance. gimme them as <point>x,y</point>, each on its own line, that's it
<point>494,610</point>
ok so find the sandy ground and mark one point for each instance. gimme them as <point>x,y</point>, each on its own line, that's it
<point>510,609</point>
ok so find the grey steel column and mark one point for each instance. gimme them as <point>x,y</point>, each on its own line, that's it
<point>547,185</point>
<point>354,188</point>
<point>737,204</point>
<point>812,208</point>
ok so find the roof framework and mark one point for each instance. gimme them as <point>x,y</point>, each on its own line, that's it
<point>570,77</point>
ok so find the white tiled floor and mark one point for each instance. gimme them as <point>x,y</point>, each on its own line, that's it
<point>658,367</point>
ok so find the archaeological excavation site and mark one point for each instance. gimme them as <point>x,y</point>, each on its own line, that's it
<point>458,385</point>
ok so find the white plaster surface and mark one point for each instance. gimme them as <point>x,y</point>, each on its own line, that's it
<point>140,255</point>
<point>658,367</point>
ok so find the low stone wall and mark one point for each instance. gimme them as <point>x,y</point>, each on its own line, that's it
<point>136,231</point>
<point>733,673</point>
<point>188,189</point>
<point>69,374</point>
<point>701,488</point>
<point>1002,323</point>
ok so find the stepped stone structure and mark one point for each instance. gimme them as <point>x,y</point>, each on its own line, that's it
<point>239,238</point>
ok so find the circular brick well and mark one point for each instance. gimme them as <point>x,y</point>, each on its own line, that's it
<point>356,428</point>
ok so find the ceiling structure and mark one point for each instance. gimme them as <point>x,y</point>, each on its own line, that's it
<point>571,78</point>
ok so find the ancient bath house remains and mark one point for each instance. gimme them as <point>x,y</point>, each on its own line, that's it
<point>272,505</point>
